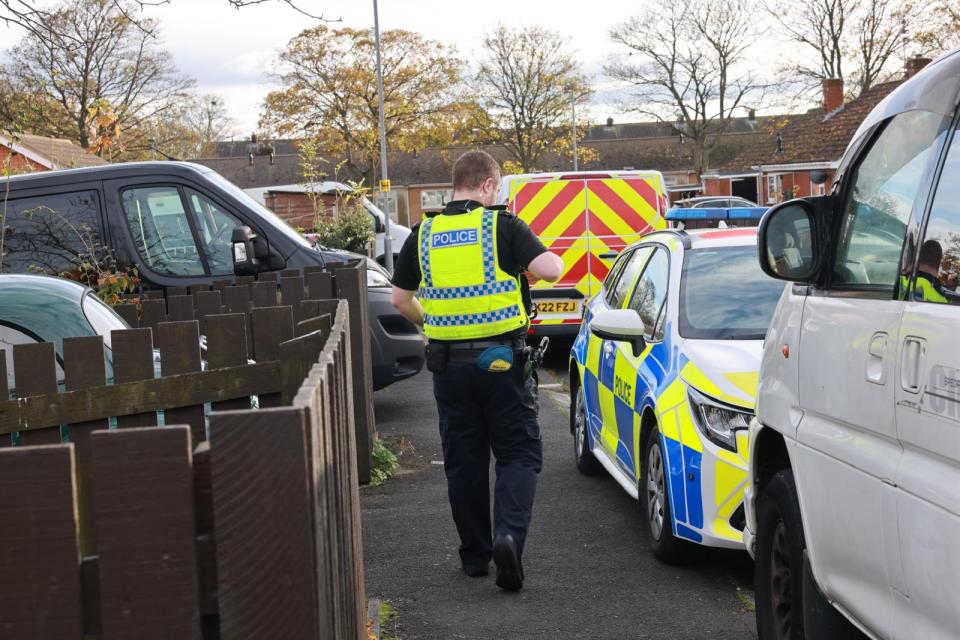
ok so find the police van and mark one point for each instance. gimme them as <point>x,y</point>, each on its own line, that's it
<point>853,500</point>
<point>586,218</point>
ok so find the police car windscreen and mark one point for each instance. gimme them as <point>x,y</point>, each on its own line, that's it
<point>725,296</point>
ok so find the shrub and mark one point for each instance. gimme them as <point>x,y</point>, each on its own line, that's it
<point>351,230</point>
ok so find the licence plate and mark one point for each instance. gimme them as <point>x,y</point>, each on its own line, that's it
<point>558,306</point>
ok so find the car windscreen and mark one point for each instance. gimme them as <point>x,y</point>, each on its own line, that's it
<point>725,296</point>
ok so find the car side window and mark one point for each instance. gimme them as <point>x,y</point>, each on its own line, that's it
<point>633,264</point>
<point>938,262</point>
<point>885,185</point>
<point>650,293</point>
<point>216,228</point>
<point>51,233</point>
<point>161,230</point>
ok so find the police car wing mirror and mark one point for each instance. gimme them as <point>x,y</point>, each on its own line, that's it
<point>790,240</point>
<point>249,252</point>
<point>620,325</point>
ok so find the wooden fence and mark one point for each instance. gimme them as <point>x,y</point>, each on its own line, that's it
<point>308,293</point>
<point>145,532</point>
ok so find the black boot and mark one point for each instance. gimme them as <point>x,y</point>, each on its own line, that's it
<point>507,559</point>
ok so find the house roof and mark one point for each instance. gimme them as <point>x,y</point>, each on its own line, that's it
<point>53,153</point>
<point>816,138</point>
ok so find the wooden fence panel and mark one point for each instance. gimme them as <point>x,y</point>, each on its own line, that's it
<point>319,285</point>
<point>152,313</point>
<point>352,286</point>
<point>143,485</point>
<point>271,326</point>
<point>227,347</point>
<point>179,308</point>
<point>264,294</point>
<point>6,439</point>
<point>291,294</point>
<point>176,291</point>
<point>206,303</point>
<point>35,373</point>
<point>297,357</point>
<point>206,543</point>
<point>265,557</point>
<point>180,353</point>
<point>316,323</point>
<point>237,300</point>
<point>84,368</point>
<point>129,311</point>
<point>132,361</point>
<point>39,560</point>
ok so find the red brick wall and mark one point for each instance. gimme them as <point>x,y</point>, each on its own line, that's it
<point>19,163</point>
<point>296,209</point>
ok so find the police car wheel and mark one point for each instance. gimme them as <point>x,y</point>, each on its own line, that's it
<point>655,505</point>
<point>587,463</point>
<point>778,571</point>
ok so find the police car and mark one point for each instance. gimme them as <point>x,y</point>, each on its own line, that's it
<point>663,376</point>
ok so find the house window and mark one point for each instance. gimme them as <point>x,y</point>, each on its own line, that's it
<point>435,198</point>
<point>774,189</point>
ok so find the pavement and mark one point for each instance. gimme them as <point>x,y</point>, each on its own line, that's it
<point>589,571</point>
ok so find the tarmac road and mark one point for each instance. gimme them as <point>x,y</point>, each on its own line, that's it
<point>589,571</point>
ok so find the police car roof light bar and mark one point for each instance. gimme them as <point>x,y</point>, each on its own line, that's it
<point>712,213</point>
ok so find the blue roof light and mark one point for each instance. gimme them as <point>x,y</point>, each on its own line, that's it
<point>709,213</point>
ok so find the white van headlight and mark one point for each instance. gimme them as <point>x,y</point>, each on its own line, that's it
<point>717,421</point>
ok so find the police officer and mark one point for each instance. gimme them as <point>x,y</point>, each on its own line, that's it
<point>459,275</point>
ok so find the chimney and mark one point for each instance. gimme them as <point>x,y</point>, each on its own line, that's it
<point>914,65</point>
<point>832,94</point>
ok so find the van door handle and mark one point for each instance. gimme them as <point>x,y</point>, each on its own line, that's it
<point>876,357</point>
<point>609,255</point>
<point>914,350</point>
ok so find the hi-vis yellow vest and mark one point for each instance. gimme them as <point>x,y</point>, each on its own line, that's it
<point>464,293</point>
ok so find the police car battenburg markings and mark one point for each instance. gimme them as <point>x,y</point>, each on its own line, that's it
<point>455,238</point>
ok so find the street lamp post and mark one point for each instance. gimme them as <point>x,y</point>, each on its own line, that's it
<point>387,241</point>
<point>573,109</point>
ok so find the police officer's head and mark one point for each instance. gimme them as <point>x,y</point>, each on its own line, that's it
<point>476,176</point>
<point>931,254</point>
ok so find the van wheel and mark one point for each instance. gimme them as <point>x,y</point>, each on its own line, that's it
<point>654,489</point>
<point>587,463</point>
<point>778,571</point>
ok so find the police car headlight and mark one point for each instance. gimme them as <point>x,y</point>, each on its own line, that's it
<point>717,421</point>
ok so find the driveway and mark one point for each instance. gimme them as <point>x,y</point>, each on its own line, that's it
<point>589,571</point>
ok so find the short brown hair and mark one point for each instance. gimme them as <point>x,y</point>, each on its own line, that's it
<point>472,168</point>
<point>931,253</point>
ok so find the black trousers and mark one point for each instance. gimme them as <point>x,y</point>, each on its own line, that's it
<point>480,412</point>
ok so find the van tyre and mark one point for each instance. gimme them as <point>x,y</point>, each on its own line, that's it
<point>587,463</point>
<point>778,569</point>
<point>654,490</point>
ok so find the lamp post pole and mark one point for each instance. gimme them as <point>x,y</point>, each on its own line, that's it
<point>387,241</point>
<point>573,109</point>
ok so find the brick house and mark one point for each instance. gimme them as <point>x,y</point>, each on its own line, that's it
<point>783,164</point>
<point>26,152</point>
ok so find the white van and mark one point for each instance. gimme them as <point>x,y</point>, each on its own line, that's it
<point>853,501</point>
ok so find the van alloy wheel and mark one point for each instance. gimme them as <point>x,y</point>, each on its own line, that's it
<point>579,426</point>
<point>655,495</point>
<point>780,581</point>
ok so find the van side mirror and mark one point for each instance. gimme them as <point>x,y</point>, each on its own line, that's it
<point>792,239</point>
<point>620,325</point>
<point>250,253</point>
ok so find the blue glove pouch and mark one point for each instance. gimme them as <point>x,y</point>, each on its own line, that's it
<point>497,359</point>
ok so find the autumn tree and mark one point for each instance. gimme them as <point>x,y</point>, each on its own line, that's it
<point>83,54</point>
<point>688,63</point>
<point>939,30</point>
<point>528,82</point>
<point>329,93</point>
<point>190,129</point>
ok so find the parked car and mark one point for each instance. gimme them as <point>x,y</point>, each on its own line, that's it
<point>714,202</point>
<point>662,381</point>
<point>853,502</point>
<point>398,232</point>
<point>586,218</point>
<point>175,222</point>
<point>37,308</point>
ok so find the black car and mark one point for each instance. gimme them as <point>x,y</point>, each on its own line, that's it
<point>175,222</point>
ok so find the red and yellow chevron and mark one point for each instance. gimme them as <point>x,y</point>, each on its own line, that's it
<point>581,219</point>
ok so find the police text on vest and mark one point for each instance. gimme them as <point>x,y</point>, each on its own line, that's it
<point>455,238</point>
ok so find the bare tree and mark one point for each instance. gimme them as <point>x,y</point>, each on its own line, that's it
<point>855,40</point>
<point>89,53</point>
<point>688,64</point>
<point>527,81</point>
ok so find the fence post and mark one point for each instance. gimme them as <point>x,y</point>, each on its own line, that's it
<point>40,589</point>
<point>352,286</point>
<point>266,568</point>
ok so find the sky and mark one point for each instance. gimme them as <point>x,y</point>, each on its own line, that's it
<point>230,52</point>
